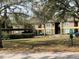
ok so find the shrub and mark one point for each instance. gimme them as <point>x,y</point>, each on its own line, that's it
<point>5,36</point>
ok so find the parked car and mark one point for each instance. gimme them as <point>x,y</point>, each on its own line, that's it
<point>77,34</point>
<point>28,33</point>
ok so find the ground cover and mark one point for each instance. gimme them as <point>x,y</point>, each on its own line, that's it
<point>44,43</point>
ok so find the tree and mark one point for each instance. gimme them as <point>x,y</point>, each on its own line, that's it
<point>65,7</point>
<point>61,9</point>
<point>4,17</point>
<point>39,13</point>
<point>15,8</point>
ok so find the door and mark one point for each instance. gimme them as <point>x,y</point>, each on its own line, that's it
<point>57,28</point>
<point>75,25</point>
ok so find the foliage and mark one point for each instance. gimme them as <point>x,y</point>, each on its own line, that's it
<point>62,8</point>
<point>5,36</point>
<point>9,7</point>
<point>28,26</point>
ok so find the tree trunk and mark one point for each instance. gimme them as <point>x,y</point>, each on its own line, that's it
<point>44,30</point>
<point>61,27</point>
<point>75,25</point>
<point>1,45</point>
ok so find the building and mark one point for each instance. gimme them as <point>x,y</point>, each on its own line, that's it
<point>54,27</point>
<point>51,27</point>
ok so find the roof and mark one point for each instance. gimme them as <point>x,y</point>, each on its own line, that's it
<point>35,20</point>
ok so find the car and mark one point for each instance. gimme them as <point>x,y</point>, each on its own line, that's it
<point>77,34</point>
<point>28,33</point>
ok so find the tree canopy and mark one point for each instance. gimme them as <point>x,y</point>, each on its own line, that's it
<point>23,8</point>
<point>62,8</point>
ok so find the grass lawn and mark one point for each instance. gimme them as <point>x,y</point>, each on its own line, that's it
<point>25,42</point>
<point>47,43</point>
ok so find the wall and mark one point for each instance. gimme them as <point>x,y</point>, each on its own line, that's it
<point>69,25</point>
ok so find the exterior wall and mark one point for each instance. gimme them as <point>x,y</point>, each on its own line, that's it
<point>67,26</point>
<point>39,30</point>
<point>17,32</point>
<point>78,26</point>
<point>48,27</point>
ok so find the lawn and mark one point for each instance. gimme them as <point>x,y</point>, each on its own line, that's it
<point>25,42</point>
<point>45,43</point>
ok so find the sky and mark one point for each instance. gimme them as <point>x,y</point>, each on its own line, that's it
<point>28,9</point>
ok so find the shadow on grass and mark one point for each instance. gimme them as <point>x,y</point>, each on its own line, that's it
<point>32,44</point>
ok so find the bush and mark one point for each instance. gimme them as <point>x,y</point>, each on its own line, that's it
<point>24,35</point>
<point>5,36</point>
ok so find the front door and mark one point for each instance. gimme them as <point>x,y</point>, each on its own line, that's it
<point>75,25</point>
<point>57,28</point>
